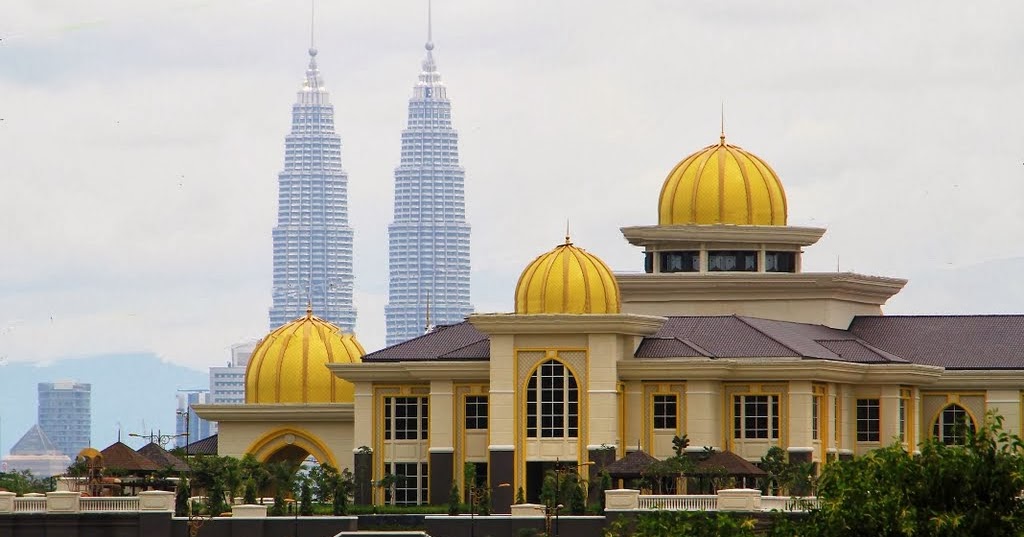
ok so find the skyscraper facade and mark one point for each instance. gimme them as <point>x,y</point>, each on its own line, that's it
<point>65,416</point>
<point>428,241</point>
<point>312,239</point>
<point>188,426</point>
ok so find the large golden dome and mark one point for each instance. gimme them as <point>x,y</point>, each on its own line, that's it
<point>567,280</point>
<point>289,365</point>
<point>722,184</point>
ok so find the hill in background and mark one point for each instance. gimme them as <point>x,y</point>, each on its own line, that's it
<point>136,391</point>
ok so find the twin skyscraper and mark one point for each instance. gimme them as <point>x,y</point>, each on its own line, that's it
<point>428,250</point>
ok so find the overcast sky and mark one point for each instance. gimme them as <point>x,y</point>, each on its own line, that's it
<point>140,144</point>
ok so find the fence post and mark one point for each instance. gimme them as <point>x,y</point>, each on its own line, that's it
<point>63,502</point>
<point>7,502</point>
<point>621,500</point>
<point>739,500</point>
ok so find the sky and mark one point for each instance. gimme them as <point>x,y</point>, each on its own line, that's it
<point>140,144</point>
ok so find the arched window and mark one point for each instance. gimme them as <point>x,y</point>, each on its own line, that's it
<point>952,425</point>
<point>552,402</point>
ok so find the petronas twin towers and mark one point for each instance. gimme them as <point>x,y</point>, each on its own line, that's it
<point>428,253</point>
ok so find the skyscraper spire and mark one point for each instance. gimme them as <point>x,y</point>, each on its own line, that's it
<point>430,27</point>
<point>428,241</point>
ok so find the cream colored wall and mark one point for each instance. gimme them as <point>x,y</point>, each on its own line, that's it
<point>602,395</point>
<point>1006,403</point>
<point>441,414</point>
<point>235,438</point>
<point>501,397</point>
<point>835,313</point>
<point>363,415</point>
<point>704,407</point>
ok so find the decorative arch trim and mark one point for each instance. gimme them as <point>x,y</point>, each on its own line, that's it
<point>272,442</point>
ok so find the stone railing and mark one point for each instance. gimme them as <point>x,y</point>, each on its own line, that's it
<point>681,502</point>
<point>725,500</point>
<point>73,502</point>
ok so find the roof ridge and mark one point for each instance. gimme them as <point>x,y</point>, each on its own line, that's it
<point>436,330</point>
<point>453,351</point>
<point>696,347</point>
<point>743,319</point>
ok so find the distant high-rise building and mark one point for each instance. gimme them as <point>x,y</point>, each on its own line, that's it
<point>227,382</point>
<point>64,415</point>
<point>312,239</point>
<point>187,421</point>
<point>37,454</point>
<point>428,250</point>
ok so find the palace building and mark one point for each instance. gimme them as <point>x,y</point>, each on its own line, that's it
<point>723,337</point>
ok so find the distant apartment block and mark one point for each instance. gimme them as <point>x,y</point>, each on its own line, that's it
<point>227,382</point>
<point>65,416</point>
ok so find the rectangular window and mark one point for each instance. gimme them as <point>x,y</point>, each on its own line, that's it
<point>815,421</point>
<point>756,416</point>
<point>780,262</point>
<point>905,411</point>
<point>476,412</point>
<point>732,261</point>
<point>410,483</point>
<point>680,261</point>
<point>405,418</point>
<point>648,262</point>
<point>666,409</point>
<point>868,423</point>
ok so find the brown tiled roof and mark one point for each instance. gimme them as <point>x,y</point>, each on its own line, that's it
<point>632,465</point>
<point>162,458</point>
<point>734,336</point>
<point>121,457</point>
<point>732,463</point>
<point>456,340</point>
<point>950,341</point>
<point>206,446</point>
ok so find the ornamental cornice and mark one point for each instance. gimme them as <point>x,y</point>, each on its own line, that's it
<point>629,324</point>
<point>758,285</point>
<point>721,233</point>
<point>293,412</point>
<point>781,369</point>
<point>412,371</point>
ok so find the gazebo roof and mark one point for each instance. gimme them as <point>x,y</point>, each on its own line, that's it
<point>630,466</point>
<point>730,462</point>
<point>162,458</point>
<point>119,456</point>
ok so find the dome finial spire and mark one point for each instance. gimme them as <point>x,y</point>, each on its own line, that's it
<point>721,136</point>
<point>568,241</point>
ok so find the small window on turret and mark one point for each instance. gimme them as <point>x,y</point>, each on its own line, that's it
<point>732,261</point>
<point>648,262</point>
<point>780,262</point>
<point>680,261</point>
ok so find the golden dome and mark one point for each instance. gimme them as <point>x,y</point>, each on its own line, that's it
<point>567,280</point>
<point>722,184</point>
<point>289,365</point>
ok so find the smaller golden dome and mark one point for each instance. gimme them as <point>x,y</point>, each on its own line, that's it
<point>722,184</point>
<point>289,365</point>
<point>567,280</point>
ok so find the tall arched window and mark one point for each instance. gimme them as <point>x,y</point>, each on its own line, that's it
<point>552,402</point>
<point>952,425</point>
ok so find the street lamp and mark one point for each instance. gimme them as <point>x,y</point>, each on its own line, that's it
<point>559,470</point>
<point>474,496</point>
